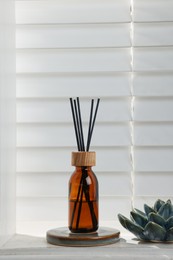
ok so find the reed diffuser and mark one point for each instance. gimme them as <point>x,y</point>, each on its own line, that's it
<point>83,184</point>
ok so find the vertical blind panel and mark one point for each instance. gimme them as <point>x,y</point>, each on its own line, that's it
<point>153,10</point>
<point>153,34</point>
<point>153,109</point>
<point>56,184</point>
<point>153,134</point>
<point>53,135</point>
<point>53,209</point>
<point>59,160</point>
<point>39,110</point>
<point>71,60</point>
<point>160,184</point>
<point>75,84</point>
<point>153,59</point>
<point>73,36</point>
<point>153,159</point>
<point>72,11</point>
<point>153,84</point>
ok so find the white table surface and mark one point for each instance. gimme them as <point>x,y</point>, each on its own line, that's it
<point>28,247</point>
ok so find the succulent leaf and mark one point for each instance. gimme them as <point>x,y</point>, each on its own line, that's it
<point>171,214</point>
<point>139,219</point>
<point>140,212</point>
<point>158,204</point>
<point>171,207</point>
<point>135,229</point>
<point>154,217</point>
<point>165,210</point>
<point>122,220</point>
<point>169,236</point>
<point>148,209</point>
<point>169,201</point>
<point>169,223</point>
<point>132,227</point>
<point>154,232</point>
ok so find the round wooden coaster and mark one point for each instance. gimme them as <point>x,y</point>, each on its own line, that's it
<point>63,237</point>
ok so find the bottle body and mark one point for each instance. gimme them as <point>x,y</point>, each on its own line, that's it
<point>83,200</point>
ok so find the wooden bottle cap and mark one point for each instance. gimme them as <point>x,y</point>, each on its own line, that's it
<point>83,159</point>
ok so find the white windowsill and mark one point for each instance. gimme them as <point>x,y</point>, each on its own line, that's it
<point>30,247</point>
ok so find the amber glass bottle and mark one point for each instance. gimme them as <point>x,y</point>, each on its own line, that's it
<point>83,194</point>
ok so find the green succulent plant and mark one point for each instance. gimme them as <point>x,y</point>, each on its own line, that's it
<point>154,224</point>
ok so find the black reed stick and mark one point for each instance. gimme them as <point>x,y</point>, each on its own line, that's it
<point>80,141</point>
<point>80,203</point>
<point>80,124</point>
<point>90,122</point>
<point>93,123</point>
<point>75,124</point>
<point>75,204</point>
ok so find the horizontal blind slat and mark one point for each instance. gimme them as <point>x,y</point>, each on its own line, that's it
<point>44,110</point>
<point>56,159</point>
<point>63,135</point>
<point>153,34</point>
<point>41,209</point>
<point>153,134</point>
<point>153,84</point>
<point>153,109</point>
<point>102,84</point>
<point>72,11</point>
<point>54,60</point>
<point>155,159</point>
<point>48,184</point>
<point>73,36</point>
<point>83,85</point>
<point>160,184</point>
<point>153,10</point>
<point>42,184</point>
<point>153,59</point>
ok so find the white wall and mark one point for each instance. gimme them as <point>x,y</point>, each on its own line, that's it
<point>7,119</point>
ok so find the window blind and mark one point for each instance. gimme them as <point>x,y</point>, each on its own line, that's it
<point>152,82</point>
<point>118,50</point>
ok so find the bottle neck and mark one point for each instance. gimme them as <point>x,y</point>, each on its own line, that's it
<point>78,168</point>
